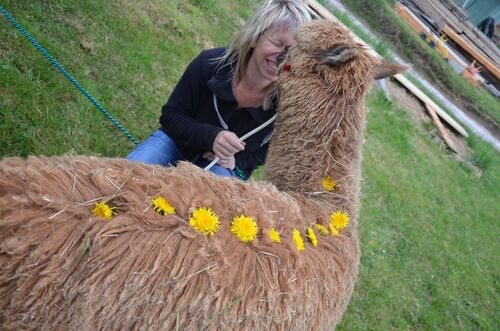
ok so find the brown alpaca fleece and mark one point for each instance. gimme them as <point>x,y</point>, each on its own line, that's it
<point>64,268</point>
<point>61,267</point>
<point>323,109</point>
<point>321,116</point>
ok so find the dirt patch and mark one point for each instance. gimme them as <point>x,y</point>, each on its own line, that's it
<point>419,114</point>
<point>89,45</point>
<point>408,101</point>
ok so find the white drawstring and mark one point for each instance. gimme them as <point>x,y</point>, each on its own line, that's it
<point>221,120</point>
<point>257,129</point>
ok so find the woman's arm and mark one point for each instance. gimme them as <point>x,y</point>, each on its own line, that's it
<point>178,114</point>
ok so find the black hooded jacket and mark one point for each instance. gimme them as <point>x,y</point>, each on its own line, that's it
<point>190,119</point>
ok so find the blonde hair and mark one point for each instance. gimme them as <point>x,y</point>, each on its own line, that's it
<point>272,14</point>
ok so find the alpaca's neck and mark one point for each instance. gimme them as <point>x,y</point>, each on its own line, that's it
<point>317,136</point>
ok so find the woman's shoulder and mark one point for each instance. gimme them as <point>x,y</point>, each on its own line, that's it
<point>209,62</point>
<point>211,57</point>
<point>213,52</point>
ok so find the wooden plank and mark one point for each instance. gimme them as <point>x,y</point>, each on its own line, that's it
<point>411,19</point>
<point>438,12</point>
<point>426,100</point>
<point>485,45</point>
<point>482,44</point>
<point>320,10</point>
<point>441,129</point>
<point>457,10</point>
<point>420,27</point>
<point>324,13</point>
<point>491,67</point>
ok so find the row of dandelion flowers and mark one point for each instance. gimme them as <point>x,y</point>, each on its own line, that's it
<point>243,227</point>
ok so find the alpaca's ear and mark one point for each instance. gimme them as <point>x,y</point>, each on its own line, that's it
<point>337,55</point>
<point>386,69</point>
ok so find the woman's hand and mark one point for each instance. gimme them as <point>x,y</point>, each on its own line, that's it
<point>228,163</point>
<point>226,144</point>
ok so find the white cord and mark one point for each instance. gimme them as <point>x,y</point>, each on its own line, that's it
<point>245,136</point>
<point>221,120</point>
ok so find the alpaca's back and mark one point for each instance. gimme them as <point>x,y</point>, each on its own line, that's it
<point>63,267</point>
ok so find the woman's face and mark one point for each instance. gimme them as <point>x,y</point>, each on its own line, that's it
<point>266,50</point>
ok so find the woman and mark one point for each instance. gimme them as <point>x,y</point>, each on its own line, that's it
<point>222,96</point>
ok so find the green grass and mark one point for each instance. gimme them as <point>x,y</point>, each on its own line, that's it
<point>135,52</point>
<point>428,224</point>
<point>428,232</point>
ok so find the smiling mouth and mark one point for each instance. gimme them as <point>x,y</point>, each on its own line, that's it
<point>272,65</point>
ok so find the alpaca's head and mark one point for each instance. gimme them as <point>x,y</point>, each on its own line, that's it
<point>327,50</point>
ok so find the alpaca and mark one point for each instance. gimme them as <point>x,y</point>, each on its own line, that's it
<point>63,267</point>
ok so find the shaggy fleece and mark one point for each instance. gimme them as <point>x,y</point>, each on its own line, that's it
<point>61,267</point>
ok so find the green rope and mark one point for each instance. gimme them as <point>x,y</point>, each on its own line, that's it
<point>66,74</point>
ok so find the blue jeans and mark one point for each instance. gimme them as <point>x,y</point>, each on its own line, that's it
<point>161,149</point>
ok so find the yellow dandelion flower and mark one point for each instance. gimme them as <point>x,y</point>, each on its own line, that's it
<point>297,238</point>
<point>312,236</point>
<point>275,236</point>
<point>321,229</point>
<point>244,228</point>
<point>205,220</point>
<point>328,183</point>
<point>102,209</point>
<point>162,206</point>
<point>334,231</point>
<point>339,220</point>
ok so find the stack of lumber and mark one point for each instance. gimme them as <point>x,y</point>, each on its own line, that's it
<point>448,18</point>
<point>459,62</point>
<point>421,28</point>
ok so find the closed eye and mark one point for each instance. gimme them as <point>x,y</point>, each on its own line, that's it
<point>275,43</point>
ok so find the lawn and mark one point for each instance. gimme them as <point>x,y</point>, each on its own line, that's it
<point>429,229</point>
<point>429,224</point>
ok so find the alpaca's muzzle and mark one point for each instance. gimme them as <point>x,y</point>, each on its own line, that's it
<point>282,55</point>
